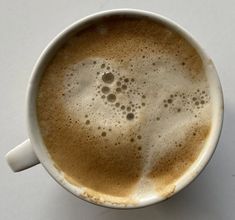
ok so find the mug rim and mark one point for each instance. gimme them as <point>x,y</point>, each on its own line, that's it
<point>45,57</point>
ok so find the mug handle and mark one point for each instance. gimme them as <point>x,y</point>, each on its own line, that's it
<point>22,157</point>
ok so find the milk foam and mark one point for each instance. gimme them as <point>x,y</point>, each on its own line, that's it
<point>123,105</point>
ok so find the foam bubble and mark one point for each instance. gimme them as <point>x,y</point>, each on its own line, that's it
<point>123,107</point>
<point>111,98</point>
<point>124,87</point>
<point>103,134</point>
<point>117,104</point>
<point>118,83</point>
<point>105,89</point>
<point>118,90</point>
<point>130,116</point>
<point>108,77</point>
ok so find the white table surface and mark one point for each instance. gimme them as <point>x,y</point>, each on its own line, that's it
<point>27,27</point>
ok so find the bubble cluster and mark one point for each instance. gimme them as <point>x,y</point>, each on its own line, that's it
<point>115,89</point>
<point>113,86</point>
<point>190,101</point>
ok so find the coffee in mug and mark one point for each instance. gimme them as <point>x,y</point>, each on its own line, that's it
<point>124,107</point>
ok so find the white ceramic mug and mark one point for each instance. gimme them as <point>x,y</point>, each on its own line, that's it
<point>33,150</point>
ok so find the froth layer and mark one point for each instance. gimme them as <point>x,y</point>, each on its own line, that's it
<point>124,102</point>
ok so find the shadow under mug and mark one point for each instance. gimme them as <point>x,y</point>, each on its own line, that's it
<point>33,150</point>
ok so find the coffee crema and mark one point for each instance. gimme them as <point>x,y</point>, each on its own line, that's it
<point>124,108</point>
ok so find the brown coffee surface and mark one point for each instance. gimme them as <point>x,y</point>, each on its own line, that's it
<point>124,100</point>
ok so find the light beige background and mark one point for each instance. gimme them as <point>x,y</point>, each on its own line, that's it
<point>27,27</point>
